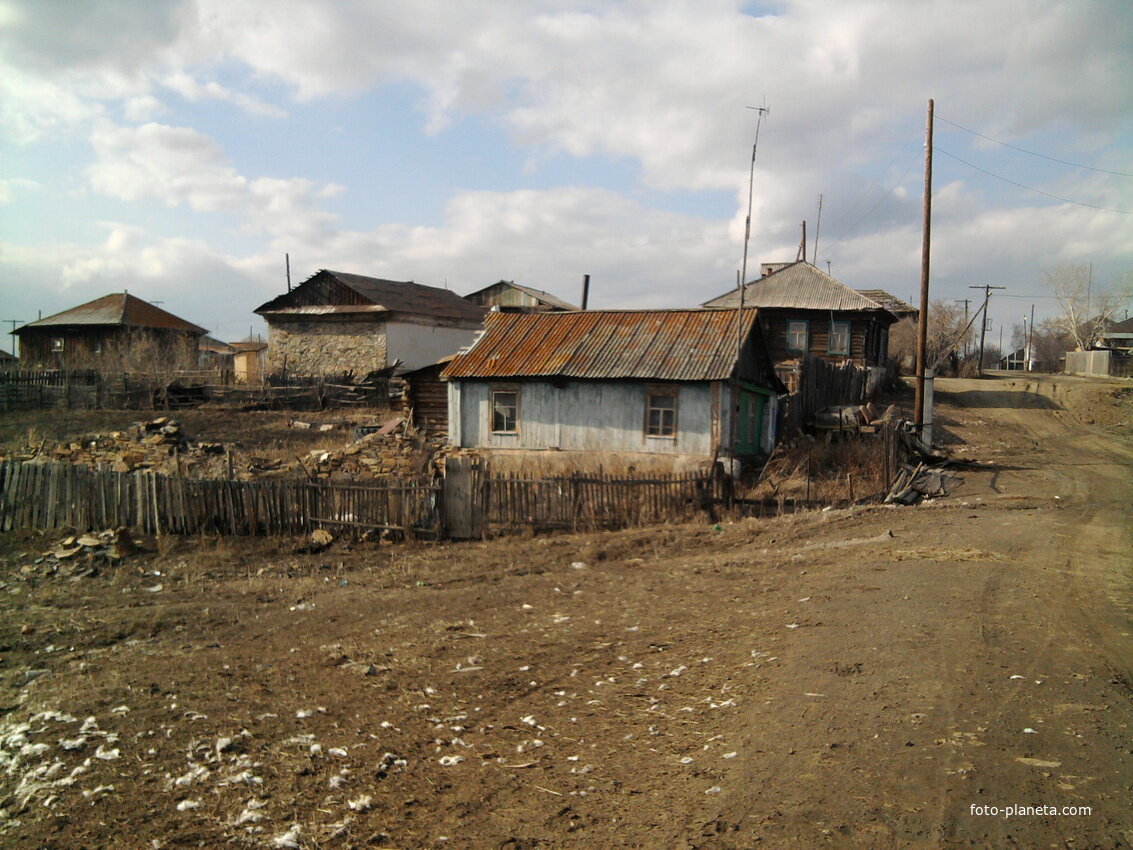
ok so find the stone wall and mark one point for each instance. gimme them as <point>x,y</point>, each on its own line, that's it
<point>308,347</point>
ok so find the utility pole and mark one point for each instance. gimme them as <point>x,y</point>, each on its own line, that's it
<point>1030,337</point>
<point>12,332</point>
<point>817,225</point>
<point>983,331</point>
<point>922,318</point>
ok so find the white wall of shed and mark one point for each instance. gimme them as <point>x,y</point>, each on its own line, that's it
<point>422,345</point>
<point>581,416</point>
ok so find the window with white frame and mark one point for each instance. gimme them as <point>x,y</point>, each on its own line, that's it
<point>57,343</point>
<point>797,336</point>
<point>839,338</point>
<point>660,414</point>
<point>505,411</point>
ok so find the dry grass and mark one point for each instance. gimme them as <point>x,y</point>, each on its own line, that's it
<point>830,473</point>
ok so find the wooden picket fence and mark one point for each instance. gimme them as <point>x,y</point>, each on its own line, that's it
<point>581,501</point>
<point>60,495</point>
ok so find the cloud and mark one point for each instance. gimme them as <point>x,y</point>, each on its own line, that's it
<point>178,165</point>
<point>191,89</point>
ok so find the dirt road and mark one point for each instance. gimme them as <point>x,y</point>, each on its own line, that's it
<point>842,678</point>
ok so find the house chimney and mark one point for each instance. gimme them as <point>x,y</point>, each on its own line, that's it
<point>585,290</point>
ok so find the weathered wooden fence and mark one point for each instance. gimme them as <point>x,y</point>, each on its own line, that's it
<point>79,389</point>
<point>818,384</point>
<point>480,504</point>
<point>60,495</point>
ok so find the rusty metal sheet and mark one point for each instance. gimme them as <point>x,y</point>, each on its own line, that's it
<point>663,345</point>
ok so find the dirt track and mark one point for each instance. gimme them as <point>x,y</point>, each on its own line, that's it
<point>828,679</point>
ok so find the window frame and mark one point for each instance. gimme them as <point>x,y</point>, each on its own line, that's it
<point>652,393</point>
<point>806,335</point>
<point>835,323</point>
<point>58,344</point>
<point>492,393</point>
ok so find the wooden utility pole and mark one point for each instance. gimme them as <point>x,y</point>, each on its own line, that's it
<point>983,328</point>
<point>817,225</point>
<point>922,318</point>
<point>12,333</point>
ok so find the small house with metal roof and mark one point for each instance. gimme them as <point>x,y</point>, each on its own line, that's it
<point>336,322</point>
<point>802,310</point>
<point>510,297</point>
<point>117,332</point>
<point>652,381</point>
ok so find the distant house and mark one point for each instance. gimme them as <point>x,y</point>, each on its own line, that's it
<point>336,322</point>
<point>510,297</point>
<point>802,310</point>
<point>655,381</point>
<point>248,361</point>
<point>8,361</point>
<point>213,353</point>
<point>117,332</point>
<point>1116,335</point>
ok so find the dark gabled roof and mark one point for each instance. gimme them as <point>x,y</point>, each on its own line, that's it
<point>662,345</point>
<point>370,294</point>
<point>117,309</point>
<point>216,346</point>
<point>799,286</point>
<point>890,302</point>
<point>538,294</point>
<point>249,345</point>
<point>1124,326</point>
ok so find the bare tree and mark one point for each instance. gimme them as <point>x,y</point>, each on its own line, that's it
<point>1086,309</point>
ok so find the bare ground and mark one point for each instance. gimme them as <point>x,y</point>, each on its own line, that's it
<point>843,678</point>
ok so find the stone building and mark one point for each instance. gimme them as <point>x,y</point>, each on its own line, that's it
<point>335,322</point>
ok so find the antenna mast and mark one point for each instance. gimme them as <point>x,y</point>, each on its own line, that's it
<point>742,282</point>
<point>761,111</point>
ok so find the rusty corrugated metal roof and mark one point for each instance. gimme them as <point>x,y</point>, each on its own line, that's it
<point>800,286</point>
<point>118,308</point>
<point>663,345</point>
<point>393,295</point>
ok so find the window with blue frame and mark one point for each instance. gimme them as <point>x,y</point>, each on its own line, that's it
<point>839,338</point>
<point>797,335</point>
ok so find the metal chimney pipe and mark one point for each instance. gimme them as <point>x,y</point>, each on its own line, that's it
<point>585,290</point>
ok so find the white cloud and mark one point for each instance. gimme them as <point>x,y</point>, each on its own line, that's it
<point>178,165</point>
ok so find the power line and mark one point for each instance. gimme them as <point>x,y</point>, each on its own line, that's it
<point>847,231</point>
<point>1034,153</point>
<point>1030,188</point>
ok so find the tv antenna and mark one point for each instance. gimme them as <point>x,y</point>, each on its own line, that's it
<point>760,112</point>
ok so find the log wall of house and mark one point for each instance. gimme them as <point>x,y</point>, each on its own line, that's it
<point>109,349</point>
<point>864,337</point>
<point>428,396</point>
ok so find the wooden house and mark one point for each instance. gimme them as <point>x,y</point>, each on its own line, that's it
<point>652,381</point>
<point>509,297</point>
<point>115,333</point>
<point>802,310</point>
<point>336,322</point>
<point>248,361</point>
<point>215,354</point>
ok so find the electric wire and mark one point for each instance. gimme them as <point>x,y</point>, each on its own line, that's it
<point>1029,188</point>
<point>1034,153</point>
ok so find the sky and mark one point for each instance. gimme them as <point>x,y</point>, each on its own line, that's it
<point>180,149</point>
